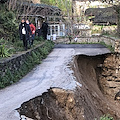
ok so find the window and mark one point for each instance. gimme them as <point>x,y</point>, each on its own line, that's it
<point>56,30</point>
<point>53,30</point>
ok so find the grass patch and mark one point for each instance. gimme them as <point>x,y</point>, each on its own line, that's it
<point>105,117</point>
<point>108,46</point>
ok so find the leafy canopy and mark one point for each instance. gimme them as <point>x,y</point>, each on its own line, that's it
<point>64,5</point>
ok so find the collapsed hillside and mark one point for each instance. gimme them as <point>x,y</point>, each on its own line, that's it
<point>86,102</point>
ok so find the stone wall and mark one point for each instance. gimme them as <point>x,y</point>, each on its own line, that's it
<point>93,39</point>
<point>110,78</point>
<point>13,63</point>
<point>97,39</point>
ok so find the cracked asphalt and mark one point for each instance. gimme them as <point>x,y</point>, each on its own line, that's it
<point>53,72</point>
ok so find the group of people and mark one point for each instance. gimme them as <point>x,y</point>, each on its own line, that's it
<point>27,32</point>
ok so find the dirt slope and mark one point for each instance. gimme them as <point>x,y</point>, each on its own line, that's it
<point>88,71</point>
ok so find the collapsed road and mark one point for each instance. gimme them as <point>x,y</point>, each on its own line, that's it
<point>64,86</point>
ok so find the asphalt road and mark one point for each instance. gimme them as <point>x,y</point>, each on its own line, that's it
<point>53,72</point>
<point>77,46</point>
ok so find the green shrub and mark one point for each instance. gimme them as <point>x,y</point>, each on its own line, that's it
<point>7,79</point>
<point>4,52</point>
<point>39,38</point>
<point>106,117</point>
<point>35,58</point>
<point>8,24</point>
<point>18,43</point>
<point>108,46</point>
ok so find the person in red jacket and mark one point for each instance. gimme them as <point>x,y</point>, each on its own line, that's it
<point>32,27</point>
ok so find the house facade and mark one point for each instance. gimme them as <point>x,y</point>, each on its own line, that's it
<point>41,12</point>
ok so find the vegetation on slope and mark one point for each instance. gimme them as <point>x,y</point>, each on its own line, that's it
<point>11,44</point>
<point>8,24</point>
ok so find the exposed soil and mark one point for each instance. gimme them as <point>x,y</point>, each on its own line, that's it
<point>86,102</point>
<point>90,71</point>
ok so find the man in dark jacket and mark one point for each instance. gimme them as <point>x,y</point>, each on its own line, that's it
<point>33,29</point>
<point>25,32</point>
<point>44,29</point>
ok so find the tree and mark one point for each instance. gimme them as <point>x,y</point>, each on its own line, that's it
<point>64,5</point>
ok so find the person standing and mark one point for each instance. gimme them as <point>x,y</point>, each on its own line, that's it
<point>32,27</point>
<point>39,32</point>
<point>24,31</point>
<point>44,29</point>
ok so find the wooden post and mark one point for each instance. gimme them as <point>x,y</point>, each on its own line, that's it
<point>36,21</point>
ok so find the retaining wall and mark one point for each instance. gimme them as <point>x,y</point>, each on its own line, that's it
<point>97,39</point>
<point>15,62</point>
<point>93,39</point>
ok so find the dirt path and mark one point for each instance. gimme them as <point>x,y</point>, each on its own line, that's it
<point>53,72</point>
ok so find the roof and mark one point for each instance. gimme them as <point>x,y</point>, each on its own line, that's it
<point>40,9</point>
<point>102,15</point>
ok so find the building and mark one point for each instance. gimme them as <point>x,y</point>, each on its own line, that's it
<point>40,12</point>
